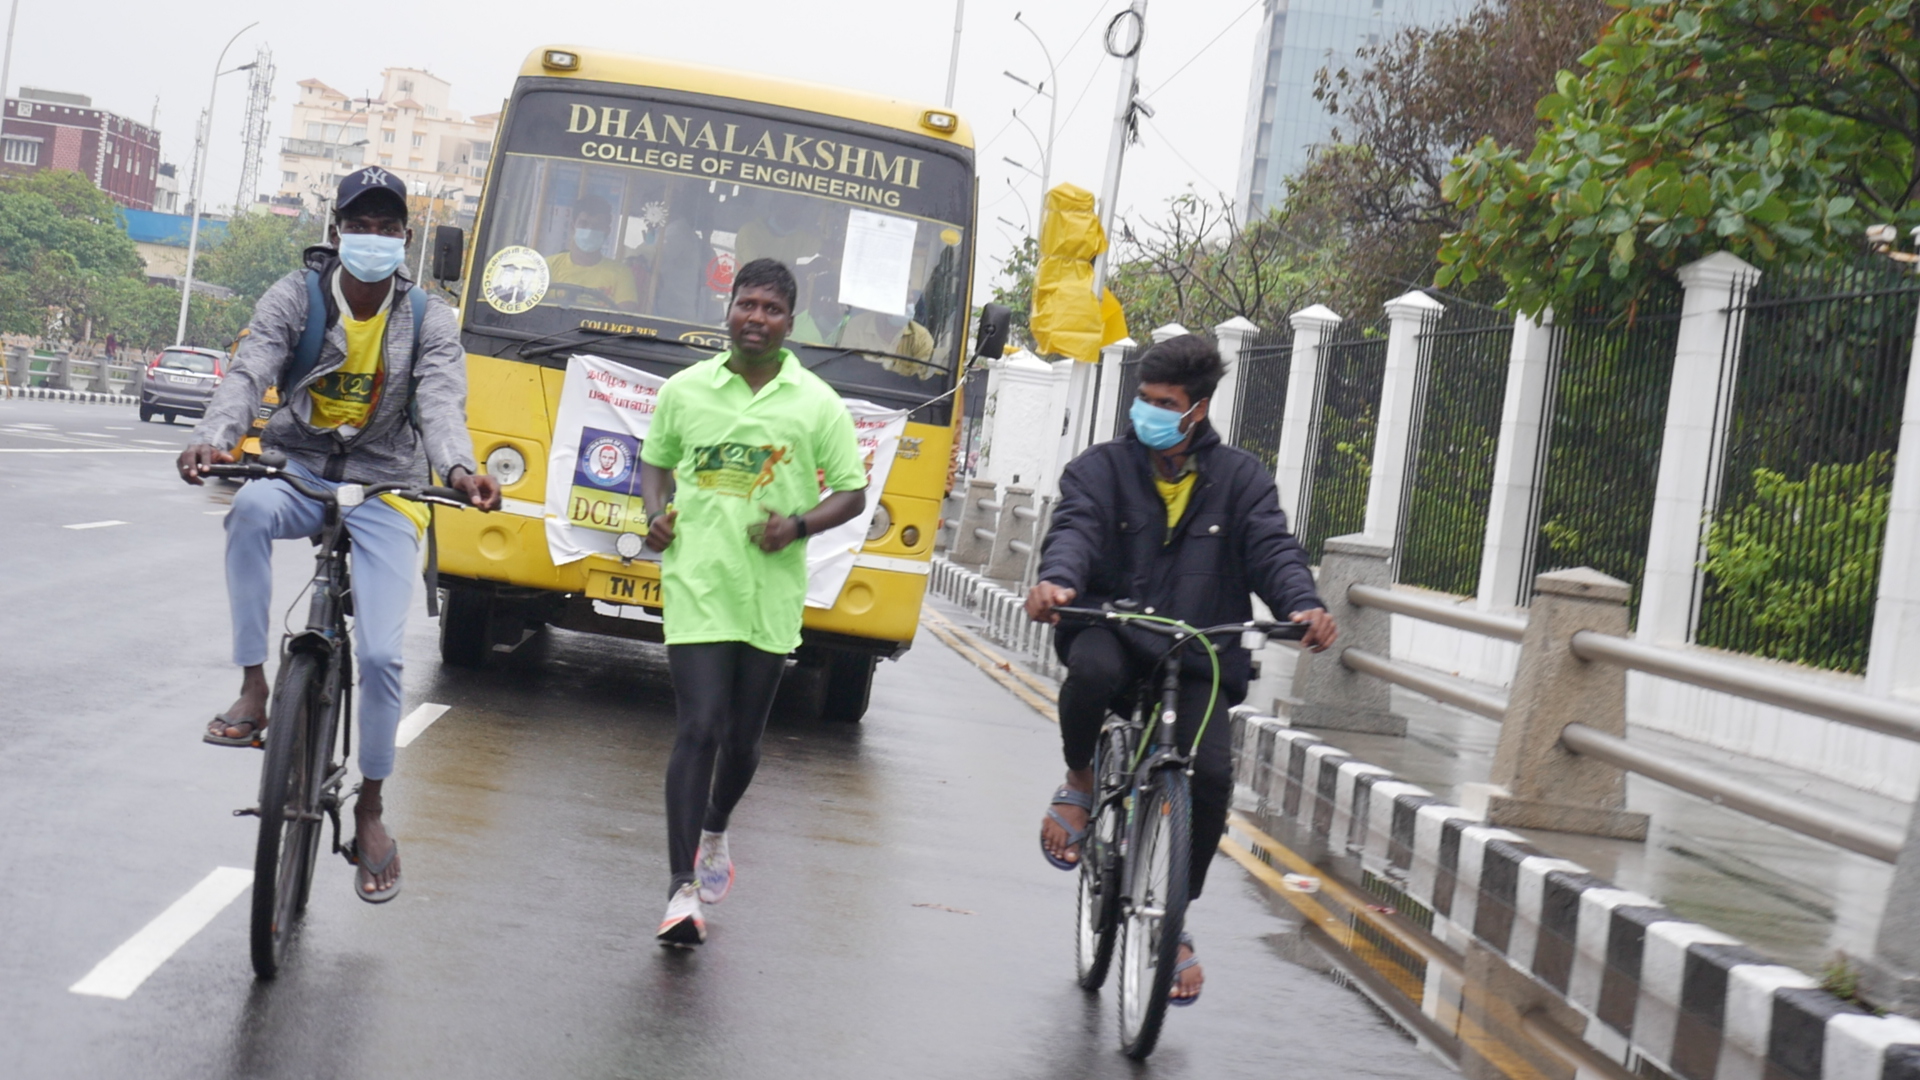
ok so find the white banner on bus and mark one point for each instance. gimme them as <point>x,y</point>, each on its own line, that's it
<point>593,471</point>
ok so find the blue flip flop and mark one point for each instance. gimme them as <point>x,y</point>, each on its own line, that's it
<point>1187,940</point>
<point>1069,797</point>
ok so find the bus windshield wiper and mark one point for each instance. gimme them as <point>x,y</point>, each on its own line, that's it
<point>869,354</point>
<point>603,335</point>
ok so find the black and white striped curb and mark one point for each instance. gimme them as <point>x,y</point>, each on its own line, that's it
<point>1655,989</point>
<point>84,397</point>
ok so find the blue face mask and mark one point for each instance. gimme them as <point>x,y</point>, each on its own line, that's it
<point>371,258</point>
<point>1157,427</point>
<point>589,239</point>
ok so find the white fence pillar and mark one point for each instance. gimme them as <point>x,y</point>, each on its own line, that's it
<point>1399,403</point>
<point>1893,658</point>
<point>1059,421</point>
<point>1169,332</point>
<point>1232,337</point>
<point>1516,465</point>
<point>1691,450</point>
<point>1106,422</point>
<point>1026,430</point>
<point>1310,327</point>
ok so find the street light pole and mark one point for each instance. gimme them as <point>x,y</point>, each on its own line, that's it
<point>201,154</point>
<point>953,62</point>
<point>6,60</point>
<point>1129,55</point>
<point>1053,110</point>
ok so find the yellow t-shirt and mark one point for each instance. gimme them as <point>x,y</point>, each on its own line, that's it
<point>1175,494</point>
<point>609,276</point>
<point>345,397</point>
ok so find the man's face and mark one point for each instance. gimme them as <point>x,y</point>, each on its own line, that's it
<point>1170,396</point>
<point>589,223</point>
<point>375,224</point>
<point>759,320</point>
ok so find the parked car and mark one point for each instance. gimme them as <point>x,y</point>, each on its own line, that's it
<point>180,382</point>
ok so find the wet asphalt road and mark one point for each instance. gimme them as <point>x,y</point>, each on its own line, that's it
<point>892,916</point>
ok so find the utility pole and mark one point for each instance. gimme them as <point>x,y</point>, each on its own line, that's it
<point>202,152</point>
<point>953,63</point>
<point>6,59</point>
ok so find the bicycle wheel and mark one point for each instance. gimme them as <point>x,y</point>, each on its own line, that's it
<point>1100,864</point>
<point>1155,908</point>
<point>282,859</point>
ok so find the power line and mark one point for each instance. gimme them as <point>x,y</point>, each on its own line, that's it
<point>1197,172</point>
<point>1216,40</point>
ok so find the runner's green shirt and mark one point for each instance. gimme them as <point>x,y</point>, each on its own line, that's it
<point>736,455</point>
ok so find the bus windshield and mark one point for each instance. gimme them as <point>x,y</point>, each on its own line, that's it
<point>621,215</point>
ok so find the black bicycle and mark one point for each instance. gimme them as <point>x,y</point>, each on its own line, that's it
<point>302,777</point>
<point>1133,863</point>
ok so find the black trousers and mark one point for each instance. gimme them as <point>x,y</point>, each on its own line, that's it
<point>723,691</point>
<point>1100,667</point>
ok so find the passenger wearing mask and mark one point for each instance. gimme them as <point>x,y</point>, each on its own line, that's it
<point>582,265</point>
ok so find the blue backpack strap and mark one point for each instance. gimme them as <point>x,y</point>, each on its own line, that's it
<point>306,351</point>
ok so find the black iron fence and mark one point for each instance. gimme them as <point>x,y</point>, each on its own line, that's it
<point>1458,395</point>
<point>1811,397</point>
<point>1352,365</point>
<point>1266,363</point>
<point>1600,447</point>
<point>1125,387</point>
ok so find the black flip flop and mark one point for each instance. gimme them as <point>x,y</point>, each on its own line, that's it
<point>255,736</point>
<point>365,873</point>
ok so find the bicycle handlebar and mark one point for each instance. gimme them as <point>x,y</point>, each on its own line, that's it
<point>1274,630</point>
<point>263,470</point>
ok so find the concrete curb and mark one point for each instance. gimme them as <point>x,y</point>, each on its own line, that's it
<point>1653,988</point>
<point>84,397</point>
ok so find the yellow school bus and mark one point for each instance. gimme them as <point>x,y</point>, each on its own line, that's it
<point>641,184</point>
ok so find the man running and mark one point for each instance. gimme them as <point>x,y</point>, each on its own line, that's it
<point>1170,517</point>
<point>732,470</point>
<point>350,418</point>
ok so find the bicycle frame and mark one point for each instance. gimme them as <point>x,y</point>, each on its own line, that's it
<point>326,636</point>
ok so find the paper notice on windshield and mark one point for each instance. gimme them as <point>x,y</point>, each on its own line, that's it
<point>830,554</point>
<point>876,269</point>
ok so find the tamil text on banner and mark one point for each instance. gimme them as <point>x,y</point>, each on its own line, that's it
<point>593,470</point>
<point>830,555</point>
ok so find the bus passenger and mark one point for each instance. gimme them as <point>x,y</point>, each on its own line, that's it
<point>583,265</point>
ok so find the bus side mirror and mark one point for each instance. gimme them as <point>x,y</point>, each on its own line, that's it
<point>449,252</point>
<point>996,322</point>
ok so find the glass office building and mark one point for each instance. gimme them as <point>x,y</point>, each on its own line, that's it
<point>1297,38</point>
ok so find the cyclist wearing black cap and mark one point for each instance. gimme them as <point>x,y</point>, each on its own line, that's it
<point>375,394</point>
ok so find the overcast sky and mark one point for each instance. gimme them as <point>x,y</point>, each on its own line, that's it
<point>1195,69</point>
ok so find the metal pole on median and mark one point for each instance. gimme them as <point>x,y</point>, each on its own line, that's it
<point>953,62</point>
<point>203,152</point>
<point>6,59</point>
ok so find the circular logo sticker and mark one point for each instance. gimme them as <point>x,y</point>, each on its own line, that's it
<point>608,462</point>
<point>516,280</point>
<point>720,273</point>
<point>950,237</point>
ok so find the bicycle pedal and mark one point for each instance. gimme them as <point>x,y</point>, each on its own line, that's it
<point>250,811</point>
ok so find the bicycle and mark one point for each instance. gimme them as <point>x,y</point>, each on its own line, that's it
<point>301,778</point>
<point>1132,885</point>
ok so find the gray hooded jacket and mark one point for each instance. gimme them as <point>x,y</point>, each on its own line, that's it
<point>388,449</point>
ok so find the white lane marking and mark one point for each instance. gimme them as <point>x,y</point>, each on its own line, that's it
<point>36,427</point>
<point>110,427</point>
<point>91,434</point>
<point>156,442</point>
<point>214,513</point>
<point>126,967</point>
<point>80,450</point>
<point>93,525</point>
<point>418,721</point>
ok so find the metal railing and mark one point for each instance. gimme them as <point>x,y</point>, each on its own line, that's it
<point>1504,627</point>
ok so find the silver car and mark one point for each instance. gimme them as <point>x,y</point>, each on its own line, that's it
<point>180,381</point>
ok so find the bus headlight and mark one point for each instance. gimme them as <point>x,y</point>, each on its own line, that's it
<point>560,60</point>
<point>882,523</point>
<point>506,465</point>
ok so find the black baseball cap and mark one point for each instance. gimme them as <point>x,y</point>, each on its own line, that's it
<point>361,184</point>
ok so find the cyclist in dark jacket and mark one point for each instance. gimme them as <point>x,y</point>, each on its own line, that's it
<point>1185,526</point>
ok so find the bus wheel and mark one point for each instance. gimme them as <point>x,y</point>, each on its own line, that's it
<point>465,640</point>
<point>849,677</point>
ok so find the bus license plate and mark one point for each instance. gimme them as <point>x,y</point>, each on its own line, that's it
<point>623,588</point>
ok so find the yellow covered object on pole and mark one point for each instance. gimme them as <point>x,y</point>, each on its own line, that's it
<point>1067,320</point>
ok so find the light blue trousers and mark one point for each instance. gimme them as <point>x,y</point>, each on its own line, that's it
<point>386,551</point>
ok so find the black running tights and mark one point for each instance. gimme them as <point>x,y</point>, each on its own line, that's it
<point>724,691</point>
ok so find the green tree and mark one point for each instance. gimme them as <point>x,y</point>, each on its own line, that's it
<point>1774,129</point>
<point>62,211</point>
<point>1013,287</point>
<point>258,250</point>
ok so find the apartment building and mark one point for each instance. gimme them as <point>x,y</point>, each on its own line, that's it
<point>408,126</point>
<point>48,129</point>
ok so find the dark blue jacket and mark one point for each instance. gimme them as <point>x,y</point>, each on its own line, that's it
<point>1109,541</point>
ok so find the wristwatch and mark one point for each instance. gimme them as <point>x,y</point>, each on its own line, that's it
<point>799,525</point>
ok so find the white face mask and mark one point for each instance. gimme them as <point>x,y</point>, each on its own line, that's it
<point>370,257</point>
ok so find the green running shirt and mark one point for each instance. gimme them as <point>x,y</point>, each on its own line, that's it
<point>736,455</point>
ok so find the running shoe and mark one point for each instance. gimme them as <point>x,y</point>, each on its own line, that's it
<point>714,867</point>
<point>683,925</point>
